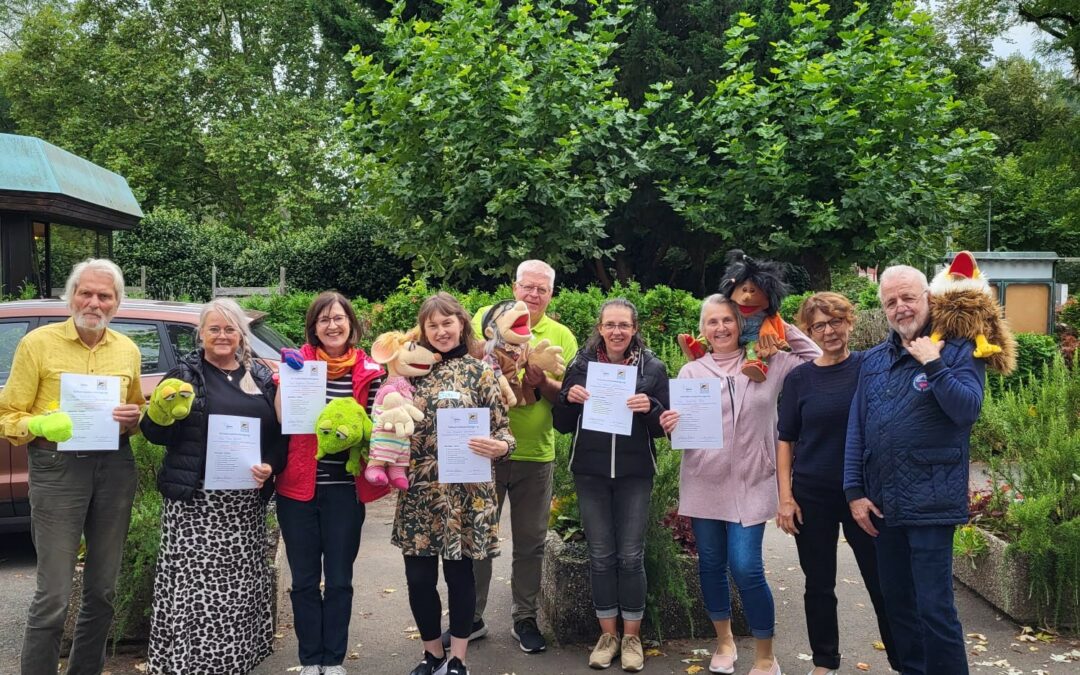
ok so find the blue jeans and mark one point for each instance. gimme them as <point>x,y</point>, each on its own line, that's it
<point>915,567</point>
<point>615,513</point>
<point>322,537</point>
<point>724,546</point>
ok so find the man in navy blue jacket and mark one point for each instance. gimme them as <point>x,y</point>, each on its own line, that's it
<point>906,470</point>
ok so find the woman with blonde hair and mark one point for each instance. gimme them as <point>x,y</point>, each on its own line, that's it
<point>212,587</point>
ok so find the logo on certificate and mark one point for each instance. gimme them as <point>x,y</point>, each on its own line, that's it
<point>703,388</point>
<point>313,369</point>
<point>472,418</point>
<point>102,385</point>
<point>244,427</point>
<point>620,375</point>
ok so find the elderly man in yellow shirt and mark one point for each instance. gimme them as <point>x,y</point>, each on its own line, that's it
<point>74,494</point>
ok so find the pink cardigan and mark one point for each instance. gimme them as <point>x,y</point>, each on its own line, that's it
<point>737,483</point>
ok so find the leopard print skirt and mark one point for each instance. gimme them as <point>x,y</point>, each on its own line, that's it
<point>211,613</point>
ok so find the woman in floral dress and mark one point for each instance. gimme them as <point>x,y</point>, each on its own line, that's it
<point>457,522</point>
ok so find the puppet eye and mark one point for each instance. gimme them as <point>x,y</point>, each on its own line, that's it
<point>341,436</point>
<point>410,346</point>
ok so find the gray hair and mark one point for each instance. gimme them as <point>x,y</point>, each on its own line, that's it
<point>100,265</point>
<point>235,317</point>
<point>537,267</point>
<point>900,271</point>
<point>719,299</point>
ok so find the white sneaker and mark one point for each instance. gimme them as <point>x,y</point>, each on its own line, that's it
<point>311,670</point>
<point>334,670</point>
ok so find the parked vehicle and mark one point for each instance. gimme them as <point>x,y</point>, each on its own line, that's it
<point>163,332</point>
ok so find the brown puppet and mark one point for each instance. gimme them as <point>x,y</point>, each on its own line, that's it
<point>962,305</point>
<point>506,328</point>
<point>758,288</point>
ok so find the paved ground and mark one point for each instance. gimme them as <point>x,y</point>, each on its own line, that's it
<point>381,643</point>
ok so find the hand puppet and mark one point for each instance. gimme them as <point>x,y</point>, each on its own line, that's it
<point>506,329</point>
<point>343,426</point>
<point>170,401</point>
<point>394,414</point>
<point>962,305</point>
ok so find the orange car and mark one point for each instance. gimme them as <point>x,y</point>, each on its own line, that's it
<point>162,330</point>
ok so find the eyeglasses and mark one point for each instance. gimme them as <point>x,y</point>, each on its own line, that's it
<point>218,330</point>
<point>819,327</point>
<point>529,289</point>
<point>339,319</point>
<point>624,327</point>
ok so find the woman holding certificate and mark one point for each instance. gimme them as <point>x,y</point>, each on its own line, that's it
<point>729,491</point>
<point>613,477</point>
<point>444,517</point>
<point>810,475</point>
<point>214,413</point>
<point>320,505</point>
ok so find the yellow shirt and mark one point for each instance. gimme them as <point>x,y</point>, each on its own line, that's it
<point>43,354</point>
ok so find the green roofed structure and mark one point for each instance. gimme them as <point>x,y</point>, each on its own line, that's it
<point>56,209</point>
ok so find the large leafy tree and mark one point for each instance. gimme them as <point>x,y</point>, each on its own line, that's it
<point>229,111</point>
<point>491,136</point>
<point>839,154</point>
<point>1058,18</point>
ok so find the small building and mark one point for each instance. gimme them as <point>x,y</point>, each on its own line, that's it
<point>55,209</point>
<point>1026,286</point>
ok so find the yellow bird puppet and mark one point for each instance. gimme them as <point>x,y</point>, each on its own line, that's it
<point>963,305</point>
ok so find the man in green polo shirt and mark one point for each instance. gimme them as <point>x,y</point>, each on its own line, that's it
<point>526,476</point>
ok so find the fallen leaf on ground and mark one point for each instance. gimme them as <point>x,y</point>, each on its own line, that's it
<point>694,669</point>
<point>879,645</point>
<point>701,652</point>
<point>389,590</point>
<point>977,636</point>
<point>862,666</point>
<point>805,657</point>
<point>653,652</point>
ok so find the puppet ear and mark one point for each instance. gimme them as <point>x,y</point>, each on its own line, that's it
<point>489,332</point>
<point>385,348</point>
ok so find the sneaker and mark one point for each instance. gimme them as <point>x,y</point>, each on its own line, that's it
<point>456,667</point>
<point>774,670</point>
<point>528,636</point>
<point>479,630</point>
<point>633,657</point>
<point>310,670</point>
<point>431,665</point>
<point>334,670</point>
<point>605,651</point>
<point>830,672</point>
<point>723,663</point>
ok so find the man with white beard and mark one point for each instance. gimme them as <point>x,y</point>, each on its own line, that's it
<point>74,494</point>
<point>906,470</point>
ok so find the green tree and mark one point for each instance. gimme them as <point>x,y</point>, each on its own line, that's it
<point>494,136</point>
<point>1058,18</point>
<point>973,25</point>
<point>230,111</point>
<point>840,154</point>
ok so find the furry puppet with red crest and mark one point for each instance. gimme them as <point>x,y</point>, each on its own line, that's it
<point>963,305</point>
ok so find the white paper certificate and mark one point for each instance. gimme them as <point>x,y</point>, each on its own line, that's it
<point>453,428</point>
<point>232,448</point>
<point>609,387</point>
<point>89,401</point>
<point>701,419</point>
<point>303,396</point>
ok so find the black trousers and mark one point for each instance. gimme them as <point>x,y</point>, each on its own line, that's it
<point>422,575</point>
<point>825,512</point>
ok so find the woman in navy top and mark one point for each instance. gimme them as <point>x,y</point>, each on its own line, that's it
<point>812,425</point>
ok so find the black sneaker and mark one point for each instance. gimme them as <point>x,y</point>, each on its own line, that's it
<point>431,665</point>
<point>528,636</point>
<point>479,630</point>
<point>456,667</point>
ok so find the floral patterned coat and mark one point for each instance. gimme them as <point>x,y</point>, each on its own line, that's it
<point>454,520</point>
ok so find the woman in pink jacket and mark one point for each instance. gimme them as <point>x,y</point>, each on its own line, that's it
<point>730,492</point>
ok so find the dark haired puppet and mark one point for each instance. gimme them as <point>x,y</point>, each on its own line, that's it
<point>757,288</point>
<point>506,328</point>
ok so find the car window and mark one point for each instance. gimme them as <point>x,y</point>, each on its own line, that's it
<point>10,334</point>
<point>266,342</point>
<point>182,337</point>
<point>146,338</point>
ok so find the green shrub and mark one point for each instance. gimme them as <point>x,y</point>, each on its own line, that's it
<point>135,585</point>
<point>1031,433</point>
<point>790,306</point>
<point>1069,314</point>
<point>871,328</point>
<point>285,313</point>
<point>1033,352</point>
